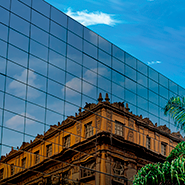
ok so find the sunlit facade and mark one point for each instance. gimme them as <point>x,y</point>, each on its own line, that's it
<point>50,65</point>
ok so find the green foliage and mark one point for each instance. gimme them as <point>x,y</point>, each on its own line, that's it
<point>171,172</point>
<point>176,109</point>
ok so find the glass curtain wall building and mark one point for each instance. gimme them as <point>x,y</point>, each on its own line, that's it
<point>50,65</point>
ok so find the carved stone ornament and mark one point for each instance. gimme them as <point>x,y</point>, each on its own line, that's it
<point>164,128</point>
<point>78,132</point>
<point>118,171</point>
<point>130,136</point>
<point>98,121</point>
<point>109,123</point>
<point>55,179</point>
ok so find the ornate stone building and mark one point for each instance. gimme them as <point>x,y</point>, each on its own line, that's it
<point>105,143</point>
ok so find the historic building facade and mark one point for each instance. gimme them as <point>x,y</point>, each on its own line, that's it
<point>50,66</point>
<point>104,144</point>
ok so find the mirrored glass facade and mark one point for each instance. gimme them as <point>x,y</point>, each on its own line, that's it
<point>50,65</point>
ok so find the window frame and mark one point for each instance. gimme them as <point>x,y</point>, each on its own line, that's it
<point>67,141</point>
<point>148,142</point>
<point>89,130</point>
<point>37,157</point>
<point>163,151</point>
<point>119,128</point>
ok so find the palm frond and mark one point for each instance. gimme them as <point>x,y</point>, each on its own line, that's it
<point>175,107</point>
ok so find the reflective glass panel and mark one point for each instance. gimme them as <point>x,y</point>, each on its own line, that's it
<point>130,72</point>
<point>90,49</point>
<point>18,40</point>
<point>39,35</point>
<point>90,36</point>
<point>3,48</point>
<point>118,91</point>
<point>89,63</point>
<point>4,32</point>
<point>75,27</point>
<point>130,60</point>
<point>89,76</point>
<point>173,86</point>
<point>153,86</point>
<point>74,68</point>
<point>58,31</point>
<point>40,21</point>
<point>130,97</point>
<point>4,18</point>
<point>38,50</point>
<point>142,79</point>
<point>153,97</point>
<point>74,54</point>
<point>118,53</point>
<point>163,80</point>
<point>163,91</point>
<point>130,85</point>
<point>3,65</point>
<point>5,4</point>
<point>28,2</point>
<point>58,16</point>
<point>20,9</point>
<point>104,45</point>
<point>142,103</point>
<point>118,78</point>
<point>153,74</point>
<point>41,7</point>
<point>74,40</point>
<point>118,65</point>
<point>142,91</point>
<point>104,57</point>
<point>19,24</point>
<point>142,68</point>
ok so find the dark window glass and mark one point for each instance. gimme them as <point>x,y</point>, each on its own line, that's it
<point>3,47</point>
<point>2,66</point>
<point>75,27</point>
<point>74,40</point>
<point>90,36</point>
<point>173,86</point>
<point>58,17</point>
<point>118,65</point>
<point>58,31</point>
<point>38,50</point>
<point>39,35</point>
<point>20,9</point>
<point>153,74</point>
<point>131,61</point>
<point>38,65</point>
<point>153,97</point>
<point>104,45</point>
<point>130,97</point>
<point>89,63</point>
<point>40,21</point>
<point>4,18</point>
<point>163,81</point>
<point>129,84</point>
<point>5,3</point>
<point>19,24</point>
<point>41,7</point>
<point>17,55</point>
<point>163,91</point>
<point>104,57</point>
<point>74,54</point>
<point>18,40</point>
<point>142,79</point>
<point>153,86</point>
<point>130,72</point>
<point>118,53</point>
<point>4,32</point>
<point>90,49</point>
<point>57,45</point>
<point>142,68</point>
<point>56,59</point>
<point>142,91</point>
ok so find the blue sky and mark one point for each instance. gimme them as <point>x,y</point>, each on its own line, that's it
<point>153,31</point>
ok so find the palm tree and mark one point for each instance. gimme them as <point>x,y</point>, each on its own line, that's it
<point>175,107</point>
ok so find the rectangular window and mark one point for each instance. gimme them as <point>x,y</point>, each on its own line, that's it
<point>88,130</point>
<point>37,157</point>
<point>119,128</point>
<point>12,169</point>
<point>49,150</point>
<point>163,149</point>
<point>24,162</point>
<point>67,141</point>
<point>1,173</point>
<point>148,142</point>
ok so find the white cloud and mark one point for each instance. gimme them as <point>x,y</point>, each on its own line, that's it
<point>154,62</point>
<point>20,89</point>
<point>17,121</point>
<point>89,76</point>
<point>92,18</point>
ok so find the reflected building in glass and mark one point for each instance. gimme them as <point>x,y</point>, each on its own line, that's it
<point>51,65</point>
